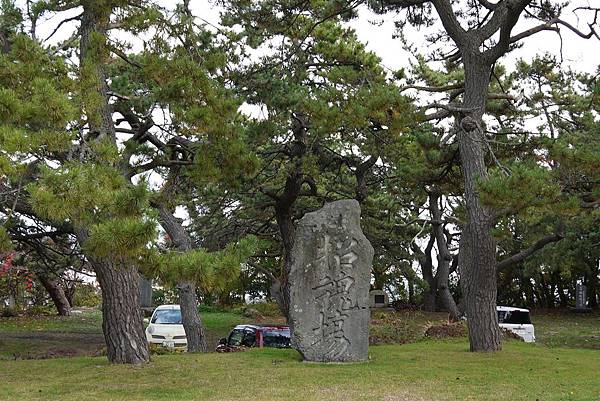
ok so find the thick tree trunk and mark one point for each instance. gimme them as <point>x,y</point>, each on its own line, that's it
<point>284,207</point>
<point>429,299</point>
<point>122,320</point>
<point>188,302</point>
<point>477,258</point>
<point>192,323</point>
<point>57,294</point>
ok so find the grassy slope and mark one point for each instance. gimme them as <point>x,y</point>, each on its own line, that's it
<point>427,370</point>
<point>567,329</point>
<point>87,322</point>
<point>219,324</point>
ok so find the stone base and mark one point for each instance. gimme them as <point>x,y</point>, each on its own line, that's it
<point>581,310</point>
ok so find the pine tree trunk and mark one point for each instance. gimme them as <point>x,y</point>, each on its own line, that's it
<point>192,323</point>
<point>122,320</point>
<point>564,300</point>
<point>426,263</point>
<point>57,294</point>
<point>429,299</point>
<point>188,302</point>
<point>477,251</point>
<point>592,285</point>
<point>287,232</point>
<point>444,256</point>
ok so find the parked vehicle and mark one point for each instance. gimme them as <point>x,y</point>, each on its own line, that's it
<point>518,321</point>
<point>165,327</point>
<point>249,335</point>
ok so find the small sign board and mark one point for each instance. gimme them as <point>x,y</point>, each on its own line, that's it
<point>378,299</point>
<point>145,292</point>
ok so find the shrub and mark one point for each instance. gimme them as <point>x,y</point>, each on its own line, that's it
<point>9,311</point>
<point>156,349</point>
<point>87,294</point>
<point>40,310</point>
<point>266,308</point>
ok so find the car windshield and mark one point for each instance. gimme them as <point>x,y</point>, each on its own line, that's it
<point>167,316</point>
<point>235,338</point>
<point>514,317</point>
<point>276,338</point>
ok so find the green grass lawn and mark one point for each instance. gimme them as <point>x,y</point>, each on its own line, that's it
<point>90,321</point>
<point>32,337</point>
<point>426,370</point>
<point>219,324</point>
<point>567,329</point>
<point>562,365</point>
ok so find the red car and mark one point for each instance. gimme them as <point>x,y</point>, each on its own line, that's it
<point>250,335</point>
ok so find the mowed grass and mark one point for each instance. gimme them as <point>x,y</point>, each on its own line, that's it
<point>32,337</point>
<point>560,328</point>
<point>219,324</point>
<point>423,371</point>
<point>419,370</point>
<point>89,321</point>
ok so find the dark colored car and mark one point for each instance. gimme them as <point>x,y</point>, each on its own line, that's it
<point>250,335</point>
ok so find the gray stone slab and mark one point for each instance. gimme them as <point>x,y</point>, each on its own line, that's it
<point>329,285</point>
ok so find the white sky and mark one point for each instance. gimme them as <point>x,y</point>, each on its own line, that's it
<point>581,54</point>
<point>584,55</point>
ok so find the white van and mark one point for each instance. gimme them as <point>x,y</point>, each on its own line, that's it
<point>518,321</point>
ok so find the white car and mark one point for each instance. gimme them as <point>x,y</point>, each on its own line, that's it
<point>165,327</point>
<point>518,321</point>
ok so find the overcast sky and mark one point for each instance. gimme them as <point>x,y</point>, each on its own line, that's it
<point>583,55</point>
<point>378,30</point>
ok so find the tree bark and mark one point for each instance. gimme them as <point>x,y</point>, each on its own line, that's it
<point>564,300</point>
<point>477,249</point>
<point>444,257</point>
<point>57,294</point>
<point>192,323</point>
<point>285,222</point>
<point>122,320</point>
<point>592,285</point>
<point>188,302</point>
<point>426,263</point>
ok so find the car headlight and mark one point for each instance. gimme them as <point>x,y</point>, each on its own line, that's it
<point>150,329</point>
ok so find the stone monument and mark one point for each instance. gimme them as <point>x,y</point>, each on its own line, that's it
<point>329,285</point>
<point>581,298</point>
